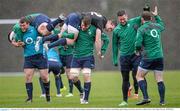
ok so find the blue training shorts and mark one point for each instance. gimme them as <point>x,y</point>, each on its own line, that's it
<point>55,67</point>
<point>66,60</point>
<point>129,62</point>
<point>40,19</point>
<point>35,61</point>
<point>84,62</point>
<point>74,20</point>
<point>152,64</point>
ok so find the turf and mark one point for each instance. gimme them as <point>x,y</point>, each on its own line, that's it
<point>105,92</point>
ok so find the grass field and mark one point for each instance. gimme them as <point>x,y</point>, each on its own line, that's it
<point>105,92</point>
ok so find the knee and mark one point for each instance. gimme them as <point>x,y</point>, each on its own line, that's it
<point>87,77</point>
<point>45,78</point>
<point>87,74</point>
<point>28,78</point>
<point>74,74</point>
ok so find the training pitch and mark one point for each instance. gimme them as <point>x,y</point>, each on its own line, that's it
<point>105,92</point>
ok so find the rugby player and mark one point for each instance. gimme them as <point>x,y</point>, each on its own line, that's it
<point>149,37</point>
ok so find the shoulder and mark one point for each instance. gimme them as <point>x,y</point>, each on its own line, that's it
<point>32,30</point>
<point>16,27</point>
<point>92,27</point>
<point>117,28</point>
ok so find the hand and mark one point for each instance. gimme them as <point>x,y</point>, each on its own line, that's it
<point>15,44</point>
<point>99,55</point>
<point>102,56</point>
<point>116,64</point>
<point>155,11</point>
<point>137,53</point>
<point>21,44</point>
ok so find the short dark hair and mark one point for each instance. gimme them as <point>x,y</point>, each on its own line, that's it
<point>121,13</point>
<point>24,20</point>
<point>114,22</point>
<point>146,15</point>
<point>86,20</point>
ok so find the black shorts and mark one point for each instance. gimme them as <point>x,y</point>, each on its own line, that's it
<point>152,64</point>
<point>40,19</point>
<point>55,67</point>
<point>129,62</point>
<point>66,60</point>
<point>35,61</point>
<point>84,62</point>
<point>74,20</point>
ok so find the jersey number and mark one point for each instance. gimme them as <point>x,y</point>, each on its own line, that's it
<point>154,33</point>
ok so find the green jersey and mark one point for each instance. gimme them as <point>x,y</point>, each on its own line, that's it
<point>105,40</point>
<point>124,37</point>
<point>84,45</point>
<point>19,34</point>
<point>67,49</point>
<point>149,36</point>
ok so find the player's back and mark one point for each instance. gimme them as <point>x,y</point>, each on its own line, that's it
<point>152,39</point>
<point>52,55</point>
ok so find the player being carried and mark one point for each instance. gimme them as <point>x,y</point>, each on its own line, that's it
<point>72,25</point>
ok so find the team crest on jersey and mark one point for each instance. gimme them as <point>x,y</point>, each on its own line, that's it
<point>89,32</point>
<point>29,40</point>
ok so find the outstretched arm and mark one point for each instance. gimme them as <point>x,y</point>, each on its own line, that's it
<point>158,18</point>
<point>98,42</point>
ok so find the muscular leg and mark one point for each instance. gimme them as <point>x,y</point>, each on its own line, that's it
<point>141,82</point>
<point>29,86</point>
<point>45,78</point>
<point>161,86</point>
<point>70,81</point>
<point>74,73</point>
<point>87,83</point>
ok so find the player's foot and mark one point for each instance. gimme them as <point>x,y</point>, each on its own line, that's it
<point>81,97</point>
<point>162,103</point>
<point>48,98</point>
<point>28,100</point>
<point>129,91</point>
<point>62,90</point>
<point>45,45</point>
<point>42,95</point>
<point>135,96</point>
<point>62,17</point>
<point>58,95</point>
<point>144,101</point>
<point>84,102</point>
<point>124,103</point>
<point>69,95</point>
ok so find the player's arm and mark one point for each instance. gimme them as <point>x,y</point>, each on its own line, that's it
<point>158,18</point>
<point>98,42</point>
<point>68,35</point>
<point>17,44</point>
<point>138,43</point>
<point>105,39</point>
<point>12,38</point>
<point>136,20</point>
<point>115,44</point>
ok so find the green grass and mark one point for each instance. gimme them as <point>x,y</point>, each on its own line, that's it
<point>105,92</point>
